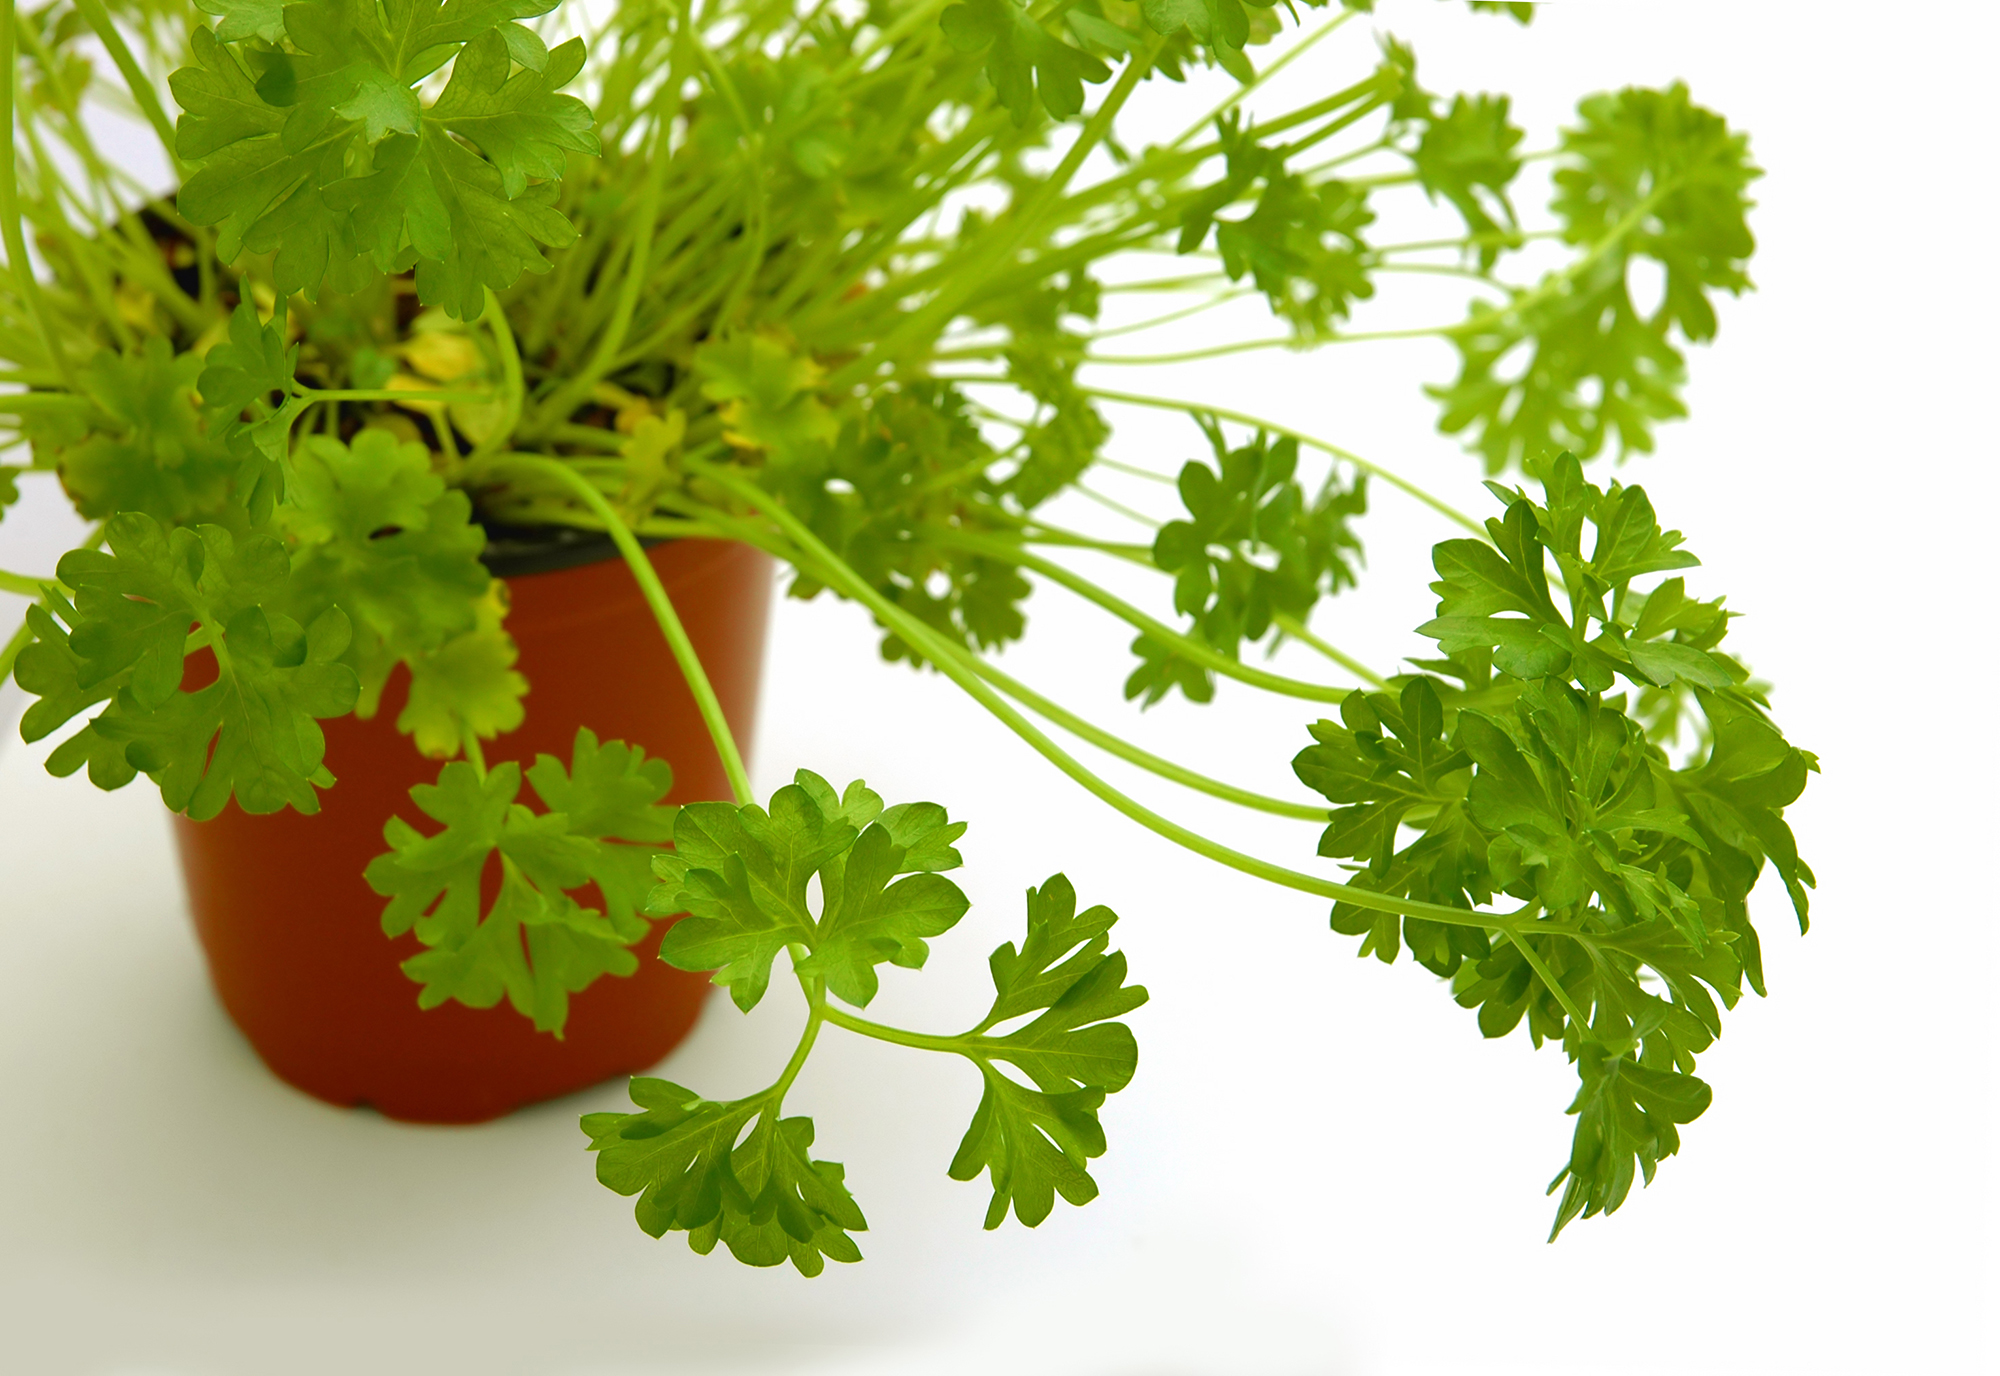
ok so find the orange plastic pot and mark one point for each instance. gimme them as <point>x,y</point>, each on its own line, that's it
<point>293,933</point>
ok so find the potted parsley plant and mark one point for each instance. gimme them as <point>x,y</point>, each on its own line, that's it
<point>819,284</point>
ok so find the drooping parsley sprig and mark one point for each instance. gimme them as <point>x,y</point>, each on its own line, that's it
<point>1047,1050</point>
<point>1529,777</point>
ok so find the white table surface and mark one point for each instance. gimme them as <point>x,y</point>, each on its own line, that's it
<point>1321,1168</point>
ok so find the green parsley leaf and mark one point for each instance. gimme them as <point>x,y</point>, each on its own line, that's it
<point>1531,782</point>
<point>251,733</point>
<point>1301,243</point>
<point>1647,174</point>
<point>467,684</point>
<point>1162,668</point>
<point>1251,504</point>
<point>327,156</point>
<point>741,875</point>
<point>1467,156</point>
<point>376,533</point>
<point>536,945</point>
<point>246,387</point>
<point>1034,1143</point>
<point>1023,60</point>
<point>146,448</point>
<point>764,390</point>
<point>762,1196</point>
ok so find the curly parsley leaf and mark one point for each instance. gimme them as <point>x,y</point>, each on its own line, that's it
<point>247,384</point>
<point>1494,595</point>
<point>252,733</point>
<point>908,465</point>
<point>1647,174</point>
<point>740,1173</point>
<point>1252,546</point>
<point>1466,155</point>
<point>1301,242</point>
<point>762,1196</point>
<point>467,684</point>
<point>1531,782</point>
<point>741,874</point>
<point>321,151</point>
<point>765,392</point>
<point>1034,1144</point>
<point>1026,63</point>
<point>536,945</point>
<point>145,447</point>
<point>375,532</point>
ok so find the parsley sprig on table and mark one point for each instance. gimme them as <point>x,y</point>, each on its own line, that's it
<point>827,280</point>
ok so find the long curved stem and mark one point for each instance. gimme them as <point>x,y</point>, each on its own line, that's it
<point>10,208</point>
<point>1194,650</point>
<point>1402,484</point>
<point>949,660</point>
<point>143,94</point>
<point>512,387</point>
<point>662,607</point>
<point>1299,631</point>
<point>1145,759</point>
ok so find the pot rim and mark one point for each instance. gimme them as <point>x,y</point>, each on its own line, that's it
<point>516,551</point>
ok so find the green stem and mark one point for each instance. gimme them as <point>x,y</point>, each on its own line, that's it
<point>1292,54</point>
<point>474,753</point>
<point>662,606</point>
<point>1187,283</point>
<point>143,94</point>
<point>1209,658</point>
<point>16,643</point>
<point>605,357</point>
<point>1112,504</point>
<point>1005,238</point>
<point>512,389</point>
<point>1244,418</point>
<point>817,1012</point>
<point>22,585</point>
<point>1183,313</point>
<point>1547,977</point>
<point>1244,346</point>
<point>10,208</point>
<point>920,1041</point>
<point>1144,759</point>
<point>1298,631</point>
<point>1118,466</point>
<point>21,403</point>
<point>949,660</point>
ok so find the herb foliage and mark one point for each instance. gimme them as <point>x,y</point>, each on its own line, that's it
<point>826,280</point>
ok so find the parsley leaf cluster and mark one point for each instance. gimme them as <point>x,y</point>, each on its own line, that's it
<point>535,944</point>
<point>1575,362</point>
<point>1252,546</point>
<point>1530,778</point>
<point>250,733</point>
<point>307,138</point>
<point>739,1172</point>
<point>1301,241</point>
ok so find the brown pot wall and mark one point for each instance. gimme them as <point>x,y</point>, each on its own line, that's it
<point>293,933</point>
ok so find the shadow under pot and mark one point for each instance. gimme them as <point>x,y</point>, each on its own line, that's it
<point>293,932</point>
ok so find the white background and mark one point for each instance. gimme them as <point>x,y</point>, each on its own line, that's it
<point>1321,1168</point>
